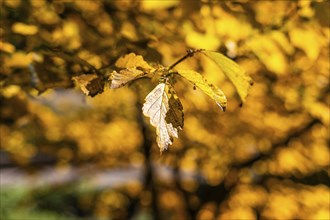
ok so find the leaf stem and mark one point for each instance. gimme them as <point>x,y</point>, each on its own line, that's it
<point>190,53</point>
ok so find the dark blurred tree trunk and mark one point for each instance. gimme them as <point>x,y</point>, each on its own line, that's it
<point>149,184</point>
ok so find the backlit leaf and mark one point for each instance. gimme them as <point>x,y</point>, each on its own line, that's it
<point>209,89</point>
<point>165,112</point>
<point>233,71</point>
<point>134,67</point>
<point>133,61</point>
<point>119,79</point>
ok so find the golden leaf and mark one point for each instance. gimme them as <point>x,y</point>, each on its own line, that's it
<point>233,71</point>
<point>135,67</point>
<point>165,112</point>
<point>209,89</point>
<point>133,61</point>
<point>119,79</point>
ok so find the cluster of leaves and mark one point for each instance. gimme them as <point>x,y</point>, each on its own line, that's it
<point>162,104</point>
<point>267,160</point>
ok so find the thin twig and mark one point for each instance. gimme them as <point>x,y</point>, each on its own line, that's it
<point>190,53</point>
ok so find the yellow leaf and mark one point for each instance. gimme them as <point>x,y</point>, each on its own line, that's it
<point>209,89</point>
<point>233,71</point>
<point>135,67</point>
<point>133,61</point>
<point>124,76</point>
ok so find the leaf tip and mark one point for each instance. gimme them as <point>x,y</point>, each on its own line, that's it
<point>223,107</point>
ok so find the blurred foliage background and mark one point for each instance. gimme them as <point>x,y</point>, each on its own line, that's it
<point>67,156</point>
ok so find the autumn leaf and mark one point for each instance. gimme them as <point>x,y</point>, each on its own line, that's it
<point>119,79</point>
<point>90,84</point>
<point>133,61</point>
<point>134,67</point>
<point>165,112</point>
<point>175,113</point>
<point>233,71</point>
<point>209,89</point>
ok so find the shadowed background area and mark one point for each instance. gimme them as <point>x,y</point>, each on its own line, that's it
<point>65,155</point>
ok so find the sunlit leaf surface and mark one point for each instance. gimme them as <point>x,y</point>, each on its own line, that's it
<point>209,89</point>
<point>134,67</point>
<point>122,77</point>
<point>165,112</point>
<point>233,71</point>
<point>133,61</point>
